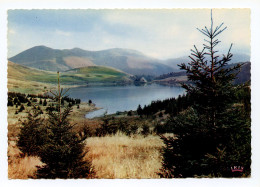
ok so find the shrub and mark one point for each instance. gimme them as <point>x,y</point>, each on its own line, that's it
<point>107,128</point>
<point>146,130</point>
<point>10,102</point>
<point>32,134</point>
<point>133,129</point>
<point>21,108</point>
<point>44,102</point>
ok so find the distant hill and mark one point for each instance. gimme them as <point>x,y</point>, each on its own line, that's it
<point>245,73</point>
<point>127,60</point>
<point>79,76</point>
<point>175,61</point>
<point>178,77</point>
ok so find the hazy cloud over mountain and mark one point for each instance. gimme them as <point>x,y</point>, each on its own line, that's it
<point>158,33</point>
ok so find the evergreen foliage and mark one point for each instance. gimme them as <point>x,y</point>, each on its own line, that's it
<point>214,134</point>
<point>32,134</point>
<point>21,108</point>
<point>146,130</point>
<point>64,150</point>
<point>44,102</point>
<point>171,106</point>
<point>212,87</point>
<point>112,126</point>
<point>10,102</point>
<point>29,103</point>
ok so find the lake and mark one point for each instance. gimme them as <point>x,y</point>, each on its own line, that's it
<point>123,98</point>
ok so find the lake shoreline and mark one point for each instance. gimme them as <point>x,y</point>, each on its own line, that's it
<point>114,99</point>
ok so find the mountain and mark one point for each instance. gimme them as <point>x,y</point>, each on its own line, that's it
<point>22,77</point>
<point>173,62</point>
<point>245,73</point>
<point>127,60</point>
<point>178,77</point>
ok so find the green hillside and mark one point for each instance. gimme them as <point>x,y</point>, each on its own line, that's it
<point>21,76</point>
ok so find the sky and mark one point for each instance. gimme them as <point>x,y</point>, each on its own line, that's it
<point>159,33</point>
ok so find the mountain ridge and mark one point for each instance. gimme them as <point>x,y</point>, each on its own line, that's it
<point>128,60</point>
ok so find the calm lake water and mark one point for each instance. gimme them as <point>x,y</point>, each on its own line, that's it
<point>123,98</point>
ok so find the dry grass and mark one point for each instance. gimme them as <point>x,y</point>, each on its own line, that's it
<point>117,156</point>
<point>120,156</point>
<point>20,167</point>
<point>77,115</point>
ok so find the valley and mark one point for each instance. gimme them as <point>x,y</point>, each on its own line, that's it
<point>138,98</point>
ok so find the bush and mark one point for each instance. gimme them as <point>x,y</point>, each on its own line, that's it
<point>146,130</point>
<point>21,108</point>
<point>10,102</point>
<point>202,151</point>
<point>44,102</point>
<point>133,129</point>
<point>32,134</point>
<point>107,128</point>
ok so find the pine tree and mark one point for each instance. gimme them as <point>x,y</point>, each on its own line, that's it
<point>211,80</point>
<point>32,134</point>
<point>64,150</point>
<point>209,133</point>
<point>44,102</point>
<point>29,103</point>
<point>21,108</point>
<point>139,110</point>
<point>10,102</point>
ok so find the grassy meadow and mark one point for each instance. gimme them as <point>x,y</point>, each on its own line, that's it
<point>21,78</point>
<point>112,156</point>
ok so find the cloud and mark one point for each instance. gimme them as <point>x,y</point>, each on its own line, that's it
<point>63,33</point>
<point>160,33</point>
<point>11,31</point>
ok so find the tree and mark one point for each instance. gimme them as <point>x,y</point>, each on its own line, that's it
<point>10,102</point>
<point>29,103</point>
<point>44,102</point>
<point>21,108</point>
<point>32,134</point>
<point>139,110</point>
<point>208,134</point>
<point>64,150</point>
<point>211,80</point>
